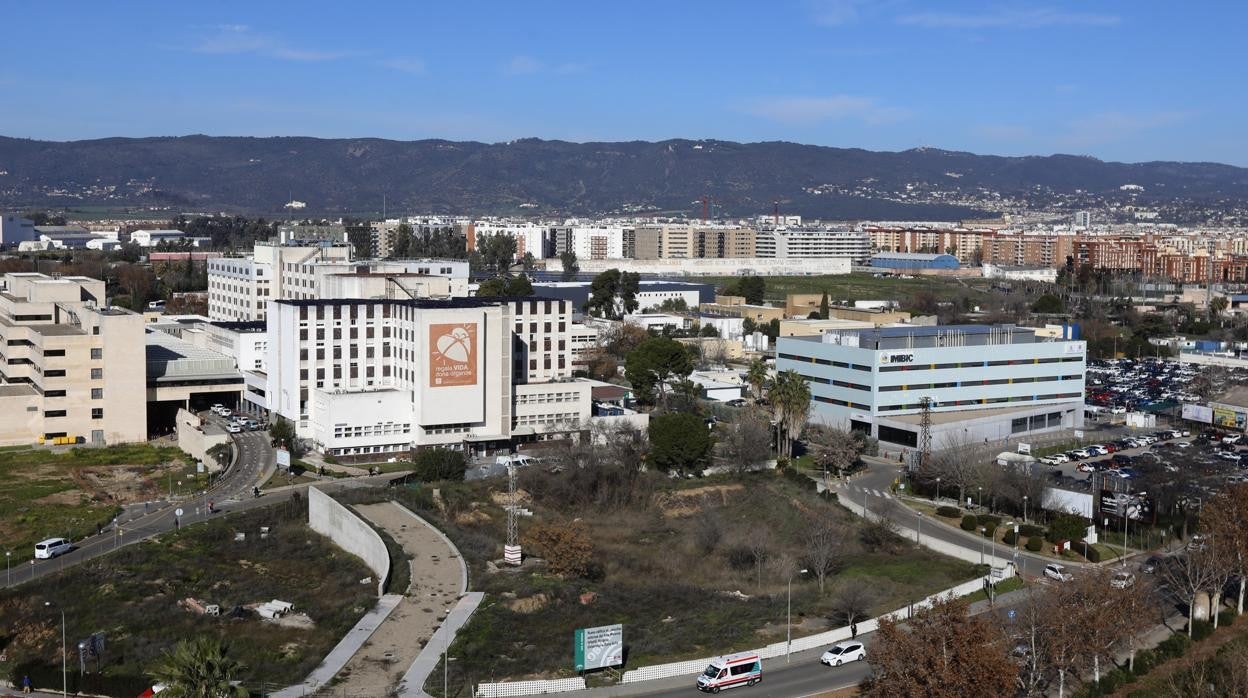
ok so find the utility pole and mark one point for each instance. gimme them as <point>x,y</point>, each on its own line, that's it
<point>925,433</point>
<point>511,550</point>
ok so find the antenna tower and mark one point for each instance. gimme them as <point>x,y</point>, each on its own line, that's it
<point>511,550</point>
<point>925,433</point>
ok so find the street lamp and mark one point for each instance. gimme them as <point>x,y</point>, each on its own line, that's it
<point>982,542</point>
<point>918,530</point>
<point>1024,508</point>
<point>788,643</point>
<point>8,575</point>
<point>938,490</point>
<point>64,670</point>
<point>981,497</point>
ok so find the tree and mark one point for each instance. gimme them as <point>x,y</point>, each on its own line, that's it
<point>790,402</point>
<point>570,266</point>
<point>744,441</point>
<point>679,441</point>
<point>1225,517</point>
<point>757,376</point>
<point>528,262</point>
<point>1048,304</point>
<point>401,245</point>
<point>604,295</point>
<point>940,652</point>
<point>282,431</point>
<point>653,366</point>
<point>566,547</point>
<point>851,603</point>
<point>823,306</point>
<point>1190,576</point>
<point>831,449</point>
<point>621,338</point>
<point>436,464</point>
<point>708,330</point>
<point>512,286</point>
<point>1217,305</point>
<point>751,288</point>
<point>498,252</point>
<point>200,668</point>
<point>824,546</point>
<point>139,283</point>
<point>748,326</point>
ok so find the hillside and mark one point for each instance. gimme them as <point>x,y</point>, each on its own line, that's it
<point>259,175</point>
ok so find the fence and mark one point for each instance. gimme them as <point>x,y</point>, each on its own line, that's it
<point>693,666</point>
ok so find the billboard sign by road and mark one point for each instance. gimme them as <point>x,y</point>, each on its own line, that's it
<point>599,647</point>
<point>283,458</point>
<point>1198,413</point>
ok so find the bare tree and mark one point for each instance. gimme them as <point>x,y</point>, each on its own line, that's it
<point>959,463</point>
<point>1226,518</point>
<point>1189,575</point>
<point>832,449</point>
<point>744,442</point>
<point>760,544</point>
<point>852,603</point>
<point>824,547</point>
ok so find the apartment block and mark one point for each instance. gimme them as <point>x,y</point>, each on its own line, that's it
<point>813,242</point>
<point>681,241</point>
<point>69,363</point>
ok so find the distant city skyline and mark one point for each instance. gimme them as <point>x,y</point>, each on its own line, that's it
<point>1113,80</point>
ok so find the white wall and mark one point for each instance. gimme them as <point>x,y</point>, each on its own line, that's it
<point>729,266</point>
<point>349,532</point>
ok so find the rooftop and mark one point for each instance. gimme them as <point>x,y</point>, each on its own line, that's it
<point>170,358</point>
<point>929,336</point>
<point>952,416</point>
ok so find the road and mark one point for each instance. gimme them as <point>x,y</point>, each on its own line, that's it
<point>231,492</point>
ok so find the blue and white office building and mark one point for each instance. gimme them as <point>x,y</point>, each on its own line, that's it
<point>985,382</point>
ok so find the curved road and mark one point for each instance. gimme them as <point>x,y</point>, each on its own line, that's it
<point>232,492</point>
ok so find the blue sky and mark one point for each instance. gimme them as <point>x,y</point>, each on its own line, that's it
<point>1127,81</point>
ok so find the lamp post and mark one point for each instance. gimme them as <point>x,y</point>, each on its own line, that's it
<point>982,542</point>
<point>788,626</point>
<point>918,530</point>
<point>8,575</point>
<point>1024,508</point>
<point>981,497</point>
<point>938,490</point>
<point>64,669</point>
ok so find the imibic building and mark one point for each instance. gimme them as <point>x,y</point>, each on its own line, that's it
<point>985,382</point>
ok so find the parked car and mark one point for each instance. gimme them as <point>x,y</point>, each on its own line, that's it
<point>842,652</point>
<point>1081,453</point>
<point>1122,580</point>
<point>1151,565</point>
<point>1061,457</point>
<point>1232,439</point>
<point>1097,450</point>
<point>1117,409</point>
<point>1228,455</point>
<point>1086,468</point>
<point>1057,572</point>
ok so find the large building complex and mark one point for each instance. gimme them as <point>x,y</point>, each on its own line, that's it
<point>69,363</point>
<point>983,382</point>
<point>817,243</point>
<point>240,289</point>
<point>362,377</point>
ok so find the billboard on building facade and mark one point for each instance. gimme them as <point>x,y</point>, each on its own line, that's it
<point>1228,418</point>
<point>452,354</point>
<point>1198,413</point>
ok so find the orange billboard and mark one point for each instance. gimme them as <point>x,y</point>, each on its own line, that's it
<point>452,354</point>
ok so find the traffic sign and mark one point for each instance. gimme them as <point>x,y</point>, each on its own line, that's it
<point>1012,614</point>
<point>177,512</point>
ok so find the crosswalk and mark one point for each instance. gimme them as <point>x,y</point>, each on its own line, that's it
<point>865,491</point>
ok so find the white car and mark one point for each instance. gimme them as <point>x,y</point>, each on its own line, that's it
<point>1051,460</point>
<point>1061,457</point>
<point>1098,450</point>
<point>1086,468</point>
<point>1232,439</point>
<point>1228,455</point>
<point>1122,580</point>
<point>1057,572</point>
<point>1183,444</point>
<point>1082,453</point>
<point>1118,409</point>
<point>226,412</point>
<point>841,652</point>
<point>234,429</point>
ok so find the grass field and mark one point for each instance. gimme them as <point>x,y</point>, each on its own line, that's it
<point>657,570</point>
<point>854,287</point>
<point>132,596</point>
<point>46,493</point>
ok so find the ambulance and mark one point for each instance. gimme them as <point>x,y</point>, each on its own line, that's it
<point>730,671</point>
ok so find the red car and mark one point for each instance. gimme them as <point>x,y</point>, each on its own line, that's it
<point>1109,447</point>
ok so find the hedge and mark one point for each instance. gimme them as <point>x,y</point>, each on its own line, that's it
<point>1029,530</point>
<point>985,518</point>
<point>1035,543</point>
<point>948,511</point>
<point>1174,646</point>
<point>969,523</point>
<point>990,528</point>
<point>1009,537</point>
<point>1088,551</point>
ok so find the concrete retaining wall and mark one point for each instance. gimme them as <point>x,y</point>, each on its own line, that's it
<point>193,440</point>
<point>349,532</point>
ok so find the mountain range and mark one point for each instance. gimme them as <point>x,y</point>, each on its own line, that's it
<point>531,176</point>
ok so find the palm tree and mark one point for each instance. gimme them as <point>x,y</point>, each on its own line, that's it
<point>756,377</point>
<point>790,400</point>
<point>200,668</point>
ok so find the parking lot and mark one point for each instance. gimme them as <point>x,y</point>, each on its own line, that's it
<point>1124,385</point>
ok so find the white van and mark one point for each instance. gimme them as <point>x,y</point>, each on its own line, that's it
<point>730,671</point>
<point>50,548</point>
<point>518,460</point>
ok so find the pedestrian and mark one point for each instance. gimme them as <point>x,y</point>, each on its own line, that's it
<point>853,630</point>
<point>98,528</point>
<point>177,524</point>
<point>26,684</point>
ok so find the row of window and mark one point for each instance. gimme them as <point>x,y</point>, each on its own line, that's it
<point>342,431</point>
<point>982,401</point>
<point>96,393</point>
<point>544,398</point>
<point>1036,421</point>
<point>842,403</point>
<point>824,362</point>
<point>981,364</point>
<point>96,413</point>
<point>542,419</point>
<point>358,450</point>
<point>966,384</point>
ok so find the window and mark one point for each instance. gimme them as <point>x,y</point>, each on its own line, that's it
<point>54,413</point>
<point>97,393</point>
<point>54,393</point>
<point>60,373</point>
<point>54,352</point>
<point>97,413</point>
<point>97,354</point>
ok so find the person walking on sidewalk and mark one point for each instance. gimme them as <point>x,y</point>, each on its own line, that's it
<point>26,684</point>
<point>853,631</point>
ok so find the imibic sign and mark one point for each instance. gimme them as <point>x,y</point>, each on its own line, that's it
<point>896,358</point>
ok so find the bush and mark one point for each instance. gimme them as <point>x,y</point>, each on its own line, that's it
<point>1171,647</point>
<point>740,558</point>
<point>566,548</point>
<point>1145,660</point>
<point>436,464</point>
<point>948,512</point>
<point>990,528</point>
<point>1009,538</point>
<point>1088,551</point>
<point>1225,619</point>
<point>1029,530</point>
<point>1201,630</point>
<point>969,523</point>
<point>984,519</point>
<point>1035,543</point>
